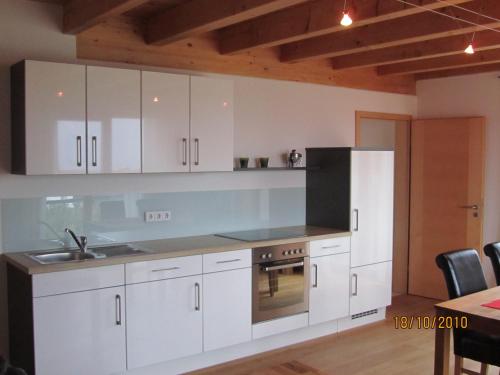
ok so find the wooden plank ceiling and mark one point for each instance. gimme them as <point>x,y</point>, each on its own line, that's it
<point>389,45</point>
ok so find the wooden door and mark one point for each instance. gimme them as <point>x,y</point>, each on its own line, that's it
<point>447,173</point>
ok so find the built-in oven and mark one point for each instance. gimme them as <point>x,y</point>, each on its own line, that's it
<point>280,281</point>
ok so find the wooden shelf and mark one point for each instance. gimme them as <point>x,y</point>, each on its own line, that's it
<point>270,169</point>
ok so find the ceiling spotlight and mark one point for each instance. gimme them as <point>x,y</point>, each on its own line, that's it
<point>346,20</point>
<point>470,49</point>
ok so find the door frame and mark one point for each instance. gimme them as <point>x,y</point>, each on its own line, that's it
<point>377,116</point>
<point>400,261</point>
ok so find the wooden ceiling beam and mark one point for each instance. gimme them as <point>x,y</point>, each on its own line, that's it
<point>406,30</point>
<point>194,17</point>
<point>313,19</point>
<point>494,67</point>
<point>441,63</point>
<point>80,15</point>
<point>484,40</point>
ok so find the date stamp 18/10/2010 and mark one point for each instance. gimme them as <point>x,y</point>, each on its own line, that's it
<point>430,322</point>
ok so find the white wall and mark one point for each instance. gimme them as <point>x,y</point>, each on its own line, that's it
<point>271,117</point>
<point>473,95</point>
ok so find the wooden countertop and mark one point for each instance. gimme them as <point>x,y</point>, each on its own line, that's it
<point>167,248</point>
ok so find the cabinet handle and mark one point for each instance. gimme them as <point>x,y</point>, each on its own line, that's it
<point>94,151</point>
<point>184,151</point>
<point>355,277</point>
<point>196,151</point>
<point>79,151</point>
<point>165,269</point>
<point>330,247</point>
<point>227,261</point>
<point>355,227</point>
<point>197,302</point>
<point>315,285</point>
<point>283,267</point>
<point>118,310</point>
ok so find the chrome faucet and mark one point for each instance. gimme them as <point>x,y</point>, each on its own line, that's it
<point>81,243</point>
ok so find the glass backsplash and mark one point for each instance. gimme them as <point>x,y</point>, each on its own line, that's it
<point>38,223</point>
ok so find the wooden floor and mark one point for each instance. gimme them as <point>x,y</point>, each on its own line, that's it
<point>378,349</point>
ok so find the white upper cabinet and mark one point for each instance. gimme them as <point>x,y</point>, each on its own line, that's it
<point>165,122</point>
<point>212,123</point>
<point>114,120</point>
<point>372,197</point>
<point>329,297</point>
<point>53,118</point>
<point>77,119</point>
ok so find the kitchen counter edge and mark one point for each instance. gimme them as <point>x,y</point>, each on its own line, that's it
<point>165,248</point>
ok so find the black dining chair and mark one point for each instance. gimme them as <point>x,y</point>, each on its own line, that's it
<point>463,275</point>
<point>492,250</point>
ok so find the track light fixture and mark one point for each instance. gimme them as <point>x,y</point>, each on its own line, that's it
<point>470,49</point>
<point>346,19</point>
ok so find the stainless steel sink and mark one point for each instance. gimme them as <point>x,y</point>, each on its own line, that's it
<point>115,250</point>
<point>61,257</point>
<point>96,252</point>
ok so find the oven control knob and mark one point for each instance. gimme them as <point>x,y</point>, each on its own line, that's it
<point>295,251</point>
<point>284,252</point>
<point>301,251</point>
<point>263,256</point>
<point>289,252</point>
<point>269,255</point>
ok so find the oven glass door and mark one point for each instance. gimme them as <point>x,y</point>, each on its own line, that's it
<point>280,288</point>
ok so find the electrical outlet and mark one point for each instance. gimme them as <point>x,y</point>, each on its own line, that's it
<point>157,216</point>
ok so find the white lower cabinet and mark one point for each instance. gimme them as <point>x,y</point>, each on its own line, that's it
<point>371,287</point>
<point>80,333</point>
<point>227,308</point>
<point>164,320</point>
<point>329,292</point>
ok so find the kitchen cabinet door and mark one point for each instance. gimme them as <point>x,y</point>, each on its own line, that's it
<point>164,320</point>
<point>227,301</point>
<point>165,122</point>
<point>372,196</point>
<point>212,125</point>
<point>113,120</point>
<point>80,333</point>
<point>329,293</point>
<point>371,287</point>
<point>54,119</point>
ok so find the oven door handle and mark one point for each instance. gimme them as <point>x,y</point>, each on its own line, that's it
<point>283,266</point>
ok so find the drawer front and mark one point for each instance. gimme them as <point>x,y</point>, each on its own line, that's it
<point>330,246</point>
<point>47,284</point>
<point>228,260</point>
<point>139,272</point>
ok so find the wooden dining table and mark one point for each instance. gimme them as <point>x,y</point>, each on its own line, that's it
<point>462,310</point>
